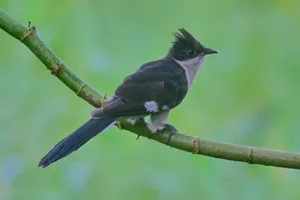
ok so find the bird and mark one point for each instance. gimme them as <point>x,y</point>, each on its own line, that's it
<point>152,90</point>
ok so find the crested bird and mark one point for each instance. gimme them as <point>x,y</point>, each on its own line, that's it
<point>153,90</point>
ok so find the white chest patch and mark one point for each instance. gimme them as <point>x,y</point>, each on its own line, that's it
<point>151,106</point>
<point>191,67</point>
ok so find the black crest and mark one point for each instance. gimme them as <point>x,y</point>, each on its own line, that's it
<point>185,46</point>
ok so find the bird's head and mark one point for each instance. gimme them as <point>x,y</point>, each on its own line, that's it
<point>186,47</point>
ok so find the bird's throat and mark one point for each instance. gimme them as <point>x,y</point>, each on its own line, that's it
<point>191,68</point>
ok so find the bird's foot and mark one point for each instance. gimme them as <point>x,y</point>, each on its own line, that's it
<point>167,127</point>
<point>152,129</point>
<point>172,130</point>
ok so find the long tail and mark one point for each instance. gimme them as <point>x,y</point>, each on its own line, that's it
<point>76,139</point>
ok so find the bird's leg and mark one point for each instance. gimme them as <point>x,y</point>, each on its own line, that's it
<point>157,121</point>
<point>172,129</point>
<point>158,124</point>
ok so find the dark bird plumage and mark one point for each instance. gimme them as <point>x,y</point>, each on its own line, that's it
<point>185,46</point>
<point>154,89</point>
<point>162,81</point>
<point>76,139</point>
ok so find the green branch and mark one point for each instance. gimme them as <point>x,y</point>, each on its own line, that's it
<point>252,155</point>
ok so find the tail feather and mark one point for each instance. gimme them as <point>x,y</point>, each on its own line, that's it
<point>76,139</point>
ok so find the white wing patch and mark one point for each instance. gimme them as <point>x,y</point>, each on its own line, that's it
<point>151,106</point>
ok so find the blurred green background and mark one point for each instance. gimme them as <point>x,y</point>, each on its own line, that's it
<point>248,94</point>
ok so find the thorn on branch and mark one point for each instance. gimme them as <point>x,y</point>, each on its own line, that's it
<point>196,146</point>
<point>30,31</point>
<point>105,100</point>
<point>104,96</point>
<point>55,69</point>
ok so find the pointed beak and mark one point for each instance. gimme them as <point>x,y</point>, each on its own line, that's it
<point>209,51</point>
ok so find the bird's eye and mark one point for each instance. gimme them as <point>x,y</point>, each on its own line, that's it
<point>190,52</point>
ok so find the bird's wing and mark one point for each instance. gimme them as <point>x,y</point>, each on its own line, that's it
<point>156,86</point>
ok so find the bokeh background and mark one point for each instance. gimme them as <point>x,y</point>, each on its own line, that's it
<point>248,94</point>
